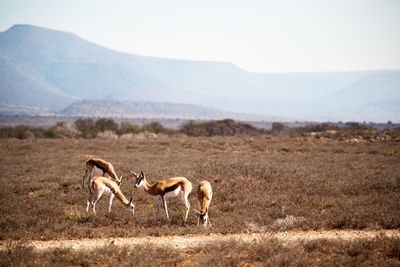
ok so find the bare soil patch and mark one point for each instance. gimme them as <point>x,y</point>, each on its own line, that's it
<point>292,248</point>
<point>192,241</point>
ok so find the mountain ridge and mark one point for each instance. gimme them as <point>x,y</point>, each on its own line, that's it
<point>154,110</point>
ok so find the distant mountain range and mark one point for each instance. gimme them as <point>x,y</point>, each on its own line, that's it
<point>154,110</point>
<point>44,71</point>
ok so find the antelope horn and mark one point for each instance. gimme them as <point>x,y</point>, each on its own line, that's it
<point>120,180</point>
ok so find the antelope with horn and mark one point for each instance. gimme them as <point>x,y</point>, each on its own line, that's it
<point>171,187</point>
<point>204,196</point>
<point>103,165</point>
<point>102,185</point>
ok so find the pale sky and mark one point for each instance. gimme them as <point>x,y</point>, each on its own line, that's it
<point>258,36</point>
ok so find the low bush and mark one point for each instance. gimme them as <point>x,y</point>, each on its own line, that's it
<point>154,127</point>
<point>87,127</point>
<point>62,130</point>
<point>19,132</point>
<point>225,127</point>
<point>107,135</point>
<point>128,128</point>
<point>313,128</point>
<point>278,127</point>
<point>74,215</point>
<point>104,124</point>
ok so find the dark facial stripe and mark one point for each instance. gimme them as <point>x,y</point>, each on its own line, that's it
<point>139,180</point>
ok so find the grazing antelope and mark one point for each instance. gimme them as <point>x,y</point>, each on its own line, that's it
<point>204,196</point>
<point>103,165</point>
<point>171,187</point>
<point>102,185</point>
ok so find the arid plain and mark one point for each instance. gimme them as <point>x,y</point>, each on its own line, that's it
<point>262,184</point>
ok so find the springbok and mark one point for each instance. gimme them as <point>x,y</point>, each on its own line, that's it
<point>103,165</point>
<point>102,185</point>
<point>171,187</point>
<point>204,196</point>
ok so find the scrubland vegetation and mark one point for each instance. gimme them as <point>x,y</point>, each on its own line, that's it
<point>108,128</point>
<point>319,177</point>
<point>260,182</point>
<point>267,252</point>
<point>82,128</point>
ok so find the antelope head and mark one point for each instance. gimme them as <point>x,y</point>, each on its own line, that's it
<point>203,217</point>
<point>139,179</point>
<point>131,206</point>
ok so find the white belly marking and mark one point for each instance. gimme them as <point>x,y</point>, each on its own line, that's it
<point>174,193</point>
<point>107,191</point>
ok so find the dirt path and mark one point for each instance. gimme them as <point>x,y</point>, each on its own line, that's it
<point>183,242</point>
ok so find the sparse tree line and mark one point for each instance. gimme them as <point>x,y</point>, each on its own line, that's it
<point>103,127</point>
<point>108,128</point>
<point>82,128</point>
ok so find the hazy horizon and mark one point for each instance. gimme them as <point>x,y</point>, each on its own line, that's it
<point>257,36</point>
<point>320,58</point>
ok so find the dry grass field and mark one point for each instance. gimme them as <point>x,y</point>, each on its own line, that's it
<point>260,183</point>
<point>382,251</point>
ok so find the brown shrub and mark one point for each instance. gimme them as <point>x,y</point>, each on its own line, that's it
<point>104,124</point>
<point>19,131</point>
<point>87,127</point>
<point>225,127</point>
